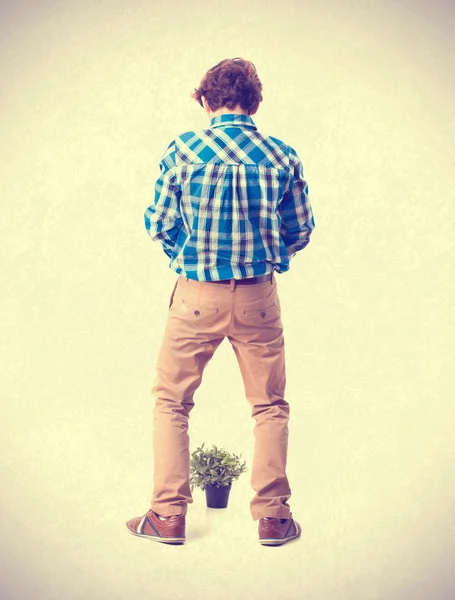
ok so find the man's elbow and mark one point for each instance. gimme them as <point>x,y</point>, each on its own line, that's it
<point>300,243</point>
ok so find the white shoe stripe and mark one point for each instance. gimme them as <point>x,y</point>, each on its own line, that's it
<point>141,523</point>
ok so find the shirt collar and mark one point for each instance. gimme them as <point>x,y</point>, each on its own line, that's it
<point>237,120</point>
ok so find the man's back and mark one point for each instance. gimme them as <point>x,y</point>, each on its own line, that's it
<point>230,202</point>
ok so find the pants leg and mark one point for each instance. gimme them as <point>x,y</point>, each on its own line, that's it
<point>258,343</point>
<point>190,339</point>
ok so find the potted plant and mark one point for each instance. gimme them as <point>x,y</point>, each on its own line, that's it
<point>214,471</point>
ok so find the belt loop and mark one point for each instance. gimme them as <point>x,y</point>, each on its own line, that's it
<point>271,278</point>
<point>232,285</point>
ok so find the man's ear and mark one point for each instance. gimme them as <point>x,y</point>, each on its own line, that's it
<point>205,104</point>
<point>254,110</point>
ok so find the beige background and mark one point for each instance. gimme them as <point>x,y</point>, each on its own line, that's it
<point>91,95</point>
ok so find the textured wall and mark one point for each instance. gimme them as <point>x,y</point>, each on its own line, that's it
<point>91,93</point>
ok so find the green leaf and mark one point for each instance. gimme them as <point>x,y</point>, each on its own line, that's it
<point>214,466</point>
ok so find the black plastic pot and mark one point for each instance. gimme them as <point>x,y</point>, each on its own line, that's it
<point>217,497</point>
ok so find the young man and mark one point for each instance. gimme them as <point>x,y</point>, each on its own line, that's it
<point>231,208</point>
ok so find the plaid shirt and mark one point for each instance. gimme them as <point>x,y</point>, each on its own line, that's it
<point>230,202</point>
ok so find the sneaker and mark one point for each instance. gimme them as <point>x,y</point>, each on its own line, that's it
<point>274,532</point>
<point>170,531</point>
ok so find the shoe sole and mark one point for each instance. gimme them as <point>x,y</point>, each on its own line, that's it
<point>156,538</point>
<point>277,541</point>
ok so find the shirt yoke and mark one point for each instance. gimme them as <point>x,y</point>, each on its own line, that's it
<point>229,145</point>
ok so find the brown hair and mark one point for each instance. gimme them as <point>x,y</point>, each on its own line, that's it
<point>231,82</point>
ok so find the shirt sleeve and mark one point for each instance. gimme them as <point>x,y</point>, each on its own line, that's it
<point>163,220</point>
<point>297,220</point>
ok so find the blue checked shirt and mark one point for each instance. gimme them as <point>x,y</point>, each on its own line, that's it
<point>230,202</point>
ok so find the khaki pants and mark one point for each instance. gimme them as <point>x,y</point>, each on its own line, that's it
<point>201,315</point>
